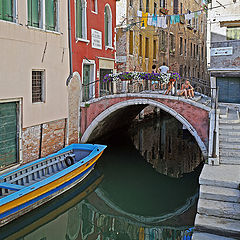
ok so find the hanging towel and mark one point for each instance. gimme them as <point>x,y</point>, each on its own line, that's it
<point>139,13</point>
<point>159,21</point>
<point>177,18</point>
<point>154,20</point>
<point>172,19</point>
<point>149,22</point>
<point>144,19</point>
<point>164,22</point>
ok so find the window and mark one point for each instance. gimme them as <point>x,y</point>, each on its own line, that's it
<point>141,5</point>
<point>94,6</point>
<point>131,42</point>
<point>233,33</point>
<point>162,3</point>
<point>194,50</point>
<point>108,26</point>
<point>154,49</point>
<point>147,5</point>
<point>175,7</point>
<point>162,41</point>
<point>181,8</point>
<point>37,86</point>
<point>131,3</point>
<point>181,46</point>
<point>202,53</point>
<point>50,14</point>
<point>140,45</point>
<point>191,48</point>
<point>172,43</point>
<point>155,8</point>
<point>185,47</point>
<point>146,47</point>
<point>36,11</point>
<point>81,22</point>
<point>8,10</point>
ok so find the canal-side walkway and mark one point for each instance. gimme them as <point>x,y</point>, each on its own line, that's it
<point>218,214</point>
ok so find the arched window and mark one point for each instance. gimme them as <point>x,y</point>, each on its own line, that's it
<point>108,26</point>
<point>94,6</point>
<point>81,19</point>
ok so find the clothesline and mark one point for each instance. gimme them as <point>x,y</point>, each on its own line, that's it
<point>161,21</point>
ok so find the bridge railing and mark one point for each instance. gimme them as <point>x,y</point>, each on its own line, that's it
<point>201,87</point>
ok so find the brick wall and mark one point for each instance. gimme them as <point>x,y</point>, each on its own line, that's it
<point>53,139</point>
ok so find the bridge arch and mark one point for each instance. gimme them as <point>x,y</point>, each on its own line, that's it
<point>150,102</point>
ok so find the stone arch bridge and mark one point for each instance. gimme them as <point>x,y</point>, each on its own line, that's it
<point>102,115</point>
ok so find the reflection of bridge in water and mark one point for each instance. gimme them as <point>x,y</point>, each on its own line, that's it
<point>87,215</point>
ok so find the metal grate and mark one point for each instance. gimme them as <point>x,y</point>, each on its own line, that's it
<point>37,86</point>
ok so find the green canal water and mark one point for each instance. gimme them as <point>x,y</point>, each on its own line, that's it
<point>145,186</point>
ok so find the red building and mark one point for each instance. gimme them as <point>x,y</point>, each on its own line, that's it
<point>93,24</point>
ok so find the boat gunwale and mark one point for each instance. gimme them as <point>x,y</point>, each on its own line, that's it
<point>58,153</point>
<point>28,189</point>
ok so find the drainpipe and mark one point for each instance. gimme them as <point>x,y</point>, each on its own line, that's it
<point>69,44</point>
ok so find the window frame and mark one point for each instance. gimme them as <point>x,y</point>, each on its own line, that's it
<point>42,16</point>
<point>14,13</point>
<point>43,86</point>
<point>108,41</point>
<point>83,37</point>
<point>95,7</point>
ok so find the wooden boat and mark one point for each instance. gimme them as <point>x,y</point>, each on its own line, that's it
<point>37,182</point>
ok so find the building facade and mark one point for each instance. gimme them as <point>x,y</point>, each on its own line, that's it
<point>181,44</point>
<point>34,68</point>
<point>224,49</point>
<point>93,43</point>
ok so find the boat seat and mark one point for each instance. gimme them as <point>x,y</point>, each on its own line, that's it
<point>11,186</point>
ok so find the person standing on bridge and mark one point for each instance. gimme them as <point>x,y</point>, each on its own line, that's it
<point>164,69</point>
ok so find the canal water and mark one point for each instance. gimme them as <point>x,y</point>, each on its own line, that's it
<point>145,186</point>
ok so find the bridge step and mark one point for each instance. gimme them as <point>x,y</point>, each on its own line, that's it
<point>230,153</point>
<point>232,145</point>
<point>215,225</point>
<point>230,160</point>
<point>227,176</point>
<point>229,121</point>
<point>229,139</point>
<point>229,132</point>
<point>208,236</point>
<point>219,194</point>
<point>230,126</point>
<point>219,209</point>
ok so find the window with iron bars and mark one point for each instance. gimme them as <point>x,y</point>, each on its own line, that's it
<point>37,86</point>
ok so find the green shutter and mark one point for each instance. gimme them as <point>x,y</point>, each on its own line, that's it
<point>33,13</point>
<point>8,133</point>
<point>50,11</point>
<point>6,10</point>
<point>106,26</point>
<point>79,19</point>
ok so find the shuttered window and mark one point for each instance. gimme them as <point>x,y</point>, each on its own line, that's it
<point>79,17</point>
<point>8,134</point>
<point>33,13</point>
<point>6,10</point>
<point>108,26</point>
<point>51,14</point>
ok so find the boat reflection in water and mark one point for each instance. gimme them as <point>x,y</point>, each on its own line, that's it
<point>85,216</point>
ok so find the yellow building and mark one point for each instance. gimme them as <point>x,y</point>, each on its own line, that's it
<point>181,45</point>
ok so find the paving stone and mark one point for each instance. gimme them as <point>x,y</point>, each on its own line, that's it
<point>219,226</point>
<point>220,194</point>
<point>219,209</point>
<point>222,176</point>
